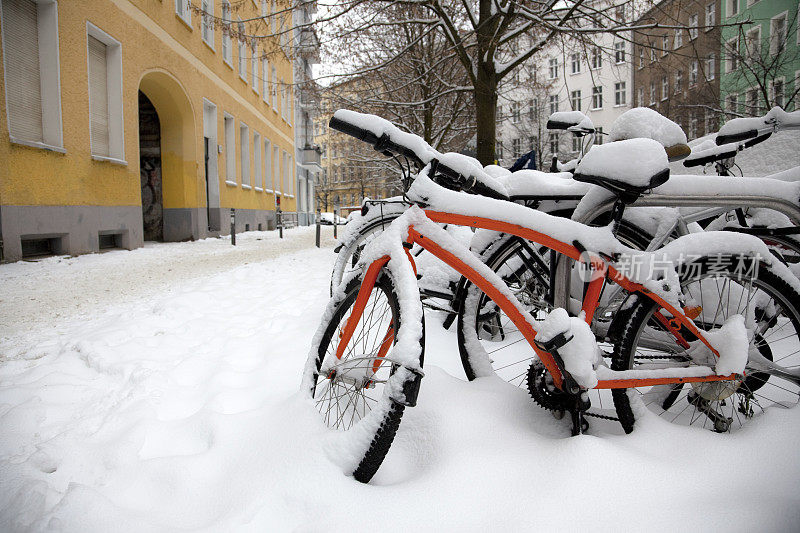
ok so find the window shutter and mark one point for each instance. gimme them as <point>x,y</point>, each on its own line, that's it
<point>98,96</point>
<point>23,83</point>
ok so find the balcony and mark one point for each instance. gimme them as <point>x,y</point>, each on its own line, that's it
<point>311,158</point>
<point>307,45</point>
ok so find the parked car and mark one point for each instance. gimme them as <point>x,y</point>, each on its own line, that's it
<point>327,219</point>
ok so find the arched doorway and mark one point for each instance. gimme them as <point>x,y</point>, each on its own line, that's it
<point>168,161</point>
<point>150,170</point>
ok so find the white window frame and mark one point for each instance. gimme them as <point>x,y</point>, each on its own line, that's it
<point>575,98</point>
<point>640,96</point>
<point>773,42</point>
<point>597,59</point>
<point>711,15</point>
<point>620,94</point>
<point>732,8</point>
<point>207,28</point>
<point>664,88</point>
<point>227,42</point>
<point>694,71</point>
<point>274,89</point>
<point>50,76</point>
<point>747,40</point>
<point>597,97</point>
<point>732,98</point>
<point>254,66</point>
<point>619,52</point>
<point>782,80</point>
<point>575,63</point>
<point>677,40</point>
<point>241,47</point>
<point>711,67</point>
<point>664,45</point>
<point>183,11</point>
<point>679,81</point>
<point>265,79</point>
<point>229,130</point>
<point>244,154</point>
<point>552,66</point>
<point>116,125</point>
<point>553,101</point>
<point>268,170</point>
<point>277,176</point>
<point>732,58</point>
<point>258,178</point>
<point>694,21</point>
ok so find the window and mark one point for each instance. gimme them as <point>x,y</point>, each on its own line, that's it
<point>733,7</point>
<point>620,94</point>
<point>693,23</point>
<point>242,54</point>
<point>576,143</point>
<point>269,184</point>
<point>32,84</point>
<point>287,175</point>
<point>553,99</point>
<point>499,150</point>
<point>227,50</point>
<point>515,112</point>
<point>276,175</point>
<point>641,57</point>
<point>664,44</point>
<point>516,148</point>
<point>533,106</point>
<point>710,67</point>
<point>553,69</point>
<point>575,100</point>
<point>733,103</point>
<point>576,63</point>
<point>753,44</point>
<point>711,16</point>
<point>777,92</point>
<point>254,64</point>
<point>664,88</point>
<point>597,97</point>
<point>553,142</point>
<point>652,92</point>
<point>620,14</point>
<point>274,89</point>
<point>208,22</point>
<point>258,179</point>
<point>184,10</point>
<point>105,94</point>
<point>230,150</point>
<point>777,34</point>
<point>652,55</point>
<point>598,137</point>
<point>619,52</point>
<point>244,154</point>
<point>597,58</point>
<point>751,104</point>
<point>692,126</point>
<point>678,41</point>
<point>679,81</point>
<point>732,54</point>
<point>640,96</point>
<point>710,122</point>
<point>693,73</point>
<point>265,79</point>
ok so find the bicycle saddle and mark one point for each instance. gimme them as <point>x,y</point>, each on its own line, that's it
<point>626,168</point>
<point>643,122</point>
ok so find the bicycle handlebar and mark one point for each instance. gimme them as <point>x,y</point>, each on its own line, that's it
<point>443,174</point>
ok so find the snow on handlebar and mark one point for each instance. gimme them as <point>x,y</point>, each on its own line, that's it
<point>745,129</point>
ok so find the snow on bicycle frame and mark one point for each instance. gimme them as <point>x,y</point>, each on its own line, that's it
<point>452,207</point>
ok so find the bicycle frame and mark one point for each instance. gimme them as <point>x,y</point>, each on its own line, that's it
<point>490,285</point>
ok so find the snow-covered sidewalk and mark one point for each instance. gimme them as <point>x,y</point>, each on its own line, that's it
<point>156,390</point>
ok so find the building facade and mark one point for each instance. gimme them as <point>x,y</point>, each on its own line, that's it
<point>134,120</point>
<point>676,68</point>
<point>761,58</point>
<point>307,153</point>
<point>568,75</point>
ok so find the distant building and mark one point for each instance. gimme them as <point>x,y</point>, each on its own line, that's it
<point>676,70</point>
<point>762,59</point>
<point>566,76</point>
<point>136,120</point>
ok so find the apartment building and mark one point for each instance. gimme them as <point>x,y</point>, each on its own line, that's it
<point>569,75</point>
<point>676,67</point>
<point>134,120</point>
<point>761,57</point>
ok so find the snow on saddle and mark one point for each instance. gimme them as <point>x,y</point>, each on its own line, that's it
<point>627,168</point>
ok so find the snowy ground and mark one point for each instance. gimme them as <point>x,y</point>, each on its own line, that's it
<point>156,390</point>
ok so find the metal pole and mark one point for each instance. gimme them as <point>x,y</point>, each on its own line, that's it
<point>233,226</point>
<point>279,216</point>
<point>335,217</point>
<point>318,227</point>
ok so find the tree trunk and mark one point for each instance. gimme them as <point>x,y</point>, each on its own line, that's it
<point>486,113</point>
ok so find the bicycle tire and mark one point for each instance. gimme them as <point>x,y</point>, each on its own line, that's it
<point>718,407</point>
<point>347,257</point>
<point>351,383</point>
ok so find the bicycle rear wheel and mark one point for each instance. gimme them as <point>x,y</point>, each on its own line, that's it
<point>361,394</point>
<point>772,309</point>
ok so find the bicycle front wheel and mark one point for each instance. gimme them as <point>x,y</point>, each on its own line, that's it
<point>361,393</point>
<point>770,305</point>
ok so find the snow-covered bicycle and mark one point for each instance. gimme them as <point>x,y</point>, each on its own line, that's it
<point>365,364</point>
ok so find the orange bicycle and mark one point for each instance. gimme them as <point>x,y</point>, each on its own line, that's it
<point>713,350</point>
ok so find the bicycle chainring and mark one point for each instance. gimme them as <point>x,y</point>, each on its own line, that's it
<point>543,390</point>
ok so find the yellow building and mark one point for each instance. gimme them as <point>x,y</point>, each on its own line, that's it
<point>133,120</point>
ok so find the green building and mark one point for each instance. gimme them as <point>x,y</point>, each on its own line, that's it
<point>761,58</point>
